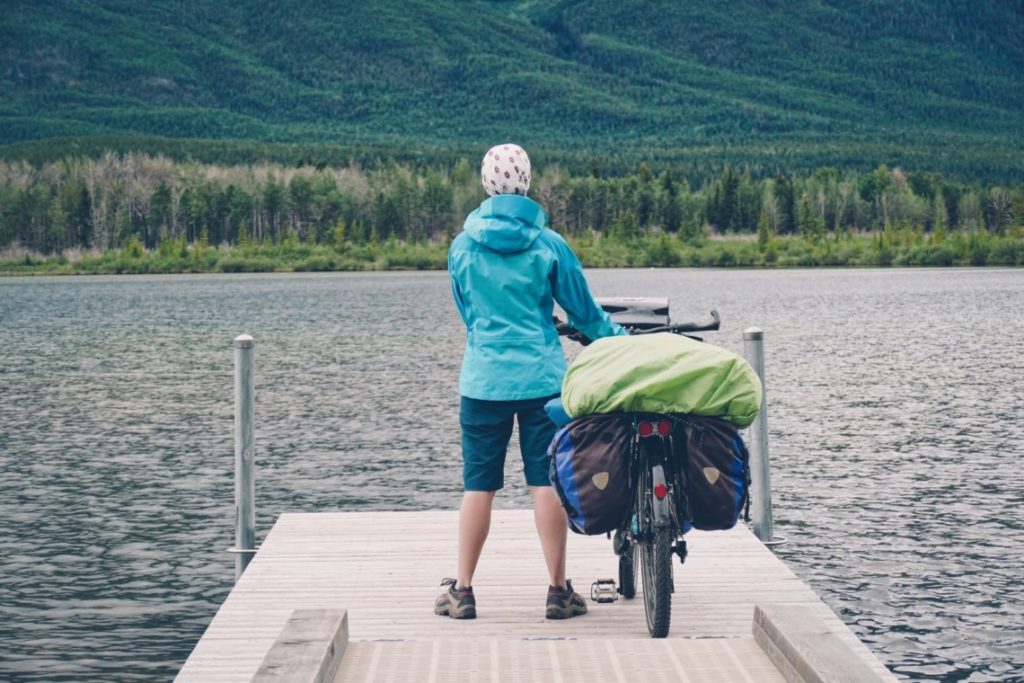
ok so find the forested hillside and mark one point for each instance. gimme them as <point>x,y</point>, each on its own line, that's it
<point>932,85</point>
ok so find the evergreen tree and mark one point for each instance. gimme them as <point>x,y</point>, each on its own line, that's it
<point>161,210</point>
<point>55,237</point>
<point>645,201</point>
<point>809,220</point>
<point>938,220</point>
<point>729,209</point>
<point>273,204</point>
<point>387,216</point>
<point>437,203</point>
<point>626,227</point>
<point>748,204</point>
<point>764,232</point>
<point>670,209</point>
<point>951,200</point>
<point>785,199</point>
<point>75,207</point>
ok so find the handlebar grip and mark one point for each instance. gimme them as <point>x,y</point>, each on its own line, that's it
<point>681,328</point>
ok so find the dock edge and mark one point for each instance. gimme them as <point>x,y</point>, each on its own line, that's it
<point>803,648</point>
<point>309,648</point>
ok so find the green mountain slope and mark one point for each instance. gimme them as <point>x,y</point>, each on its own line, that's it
<point>935,84</point>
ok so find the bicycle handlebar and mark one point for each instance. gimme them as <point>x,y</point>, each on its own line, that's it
<point>567,330</point>
<point>682,328</point>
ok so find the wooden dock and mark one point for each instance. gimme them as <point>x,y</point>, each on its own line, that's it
<point>376,575</point>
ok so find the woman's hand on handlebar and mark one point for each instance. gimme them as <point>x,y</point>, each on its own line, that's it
<point>567,330</point>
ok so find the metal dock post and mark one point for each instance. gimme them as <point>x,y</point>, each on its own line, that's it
<point>245,446</point>
<point>760,471</point>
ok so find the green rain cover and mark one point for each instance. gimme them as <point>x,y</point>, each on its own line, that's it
<point>661,373</point>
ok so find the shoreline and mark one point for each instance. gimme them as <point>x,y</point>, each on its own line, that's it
<point>883,249</point>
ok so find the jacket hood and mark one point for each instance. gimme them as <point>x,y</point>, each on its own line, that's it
<point>506,223</point>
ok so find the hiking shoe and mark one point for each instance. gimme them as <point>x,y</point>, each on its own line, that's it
<point>565,603</point>
<point>457,603</point>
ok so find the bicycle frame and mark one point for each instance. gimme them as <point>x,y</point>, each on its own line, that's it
<point>654,455</point>
<point>653,529</point>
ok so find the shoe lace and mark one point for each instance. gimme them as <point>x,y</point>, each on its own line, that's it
<point>455,591</point>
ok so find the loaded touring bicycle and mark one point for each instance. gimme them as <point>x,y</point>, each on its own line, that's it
<point>645,476</point>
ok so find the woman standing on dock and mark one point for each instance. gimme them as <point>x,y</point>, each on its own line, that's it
<point>507,269</point>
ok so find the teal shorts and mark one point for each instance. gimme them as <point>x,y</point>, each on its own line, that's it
<point>486,431</point>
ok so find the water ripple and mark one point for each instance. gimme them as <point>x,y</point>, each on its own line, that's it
<point>896,405</point>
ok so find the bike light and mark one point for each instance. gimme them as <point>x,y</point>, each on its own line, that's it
<point>645,429</point>
<point>664,428</point>
<point>660,491</point>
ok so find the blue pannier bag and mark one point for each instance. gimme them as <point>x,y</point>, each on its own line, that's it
<point>717,472</point>
<point>590,471</point>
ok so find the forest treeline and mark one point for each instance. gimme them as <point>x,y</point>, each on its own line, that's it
<point>134,204</point>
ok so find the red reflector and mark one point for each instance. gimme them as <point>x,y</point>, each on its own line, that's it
<point>645,429</point>
<point>660,491</point>
<point>664,428</point>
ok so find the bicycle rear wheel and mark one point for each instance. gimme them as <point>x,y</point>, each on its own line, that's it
<point>657,579</point>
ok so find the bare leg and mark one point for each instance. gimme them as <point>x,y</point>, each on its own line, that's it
<point>474,523</point>
<point>552,529</point>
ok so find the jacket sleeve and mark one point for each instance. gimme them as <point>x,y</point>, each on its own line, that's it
<point>456,290</point>
<point>570,290</point>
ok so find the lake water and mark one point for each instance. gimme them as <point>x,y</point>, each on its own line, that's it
<point>896,404</point>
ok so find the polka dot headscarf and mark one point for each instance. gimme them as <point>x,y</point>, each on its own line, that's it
<point>506,170</point>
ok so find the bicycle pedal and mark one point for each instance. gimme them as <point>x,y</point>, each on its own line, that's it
<point>680,550</point>
<point>604,590</point>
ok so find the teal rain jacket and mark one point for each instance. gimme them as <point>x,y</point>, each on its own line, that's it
<point>507,270</point>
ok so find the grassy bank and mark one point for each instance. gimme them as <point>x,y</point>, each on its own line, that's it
<point>885,248</point>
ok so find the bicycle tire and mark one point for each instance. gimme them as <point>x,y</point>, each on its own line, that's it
<point>657,580</point>
<point>627,573</point>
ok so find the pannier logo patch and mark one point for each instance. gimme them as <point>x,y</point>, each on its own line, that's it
<point>600,480</point>
<point>711,474</point>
